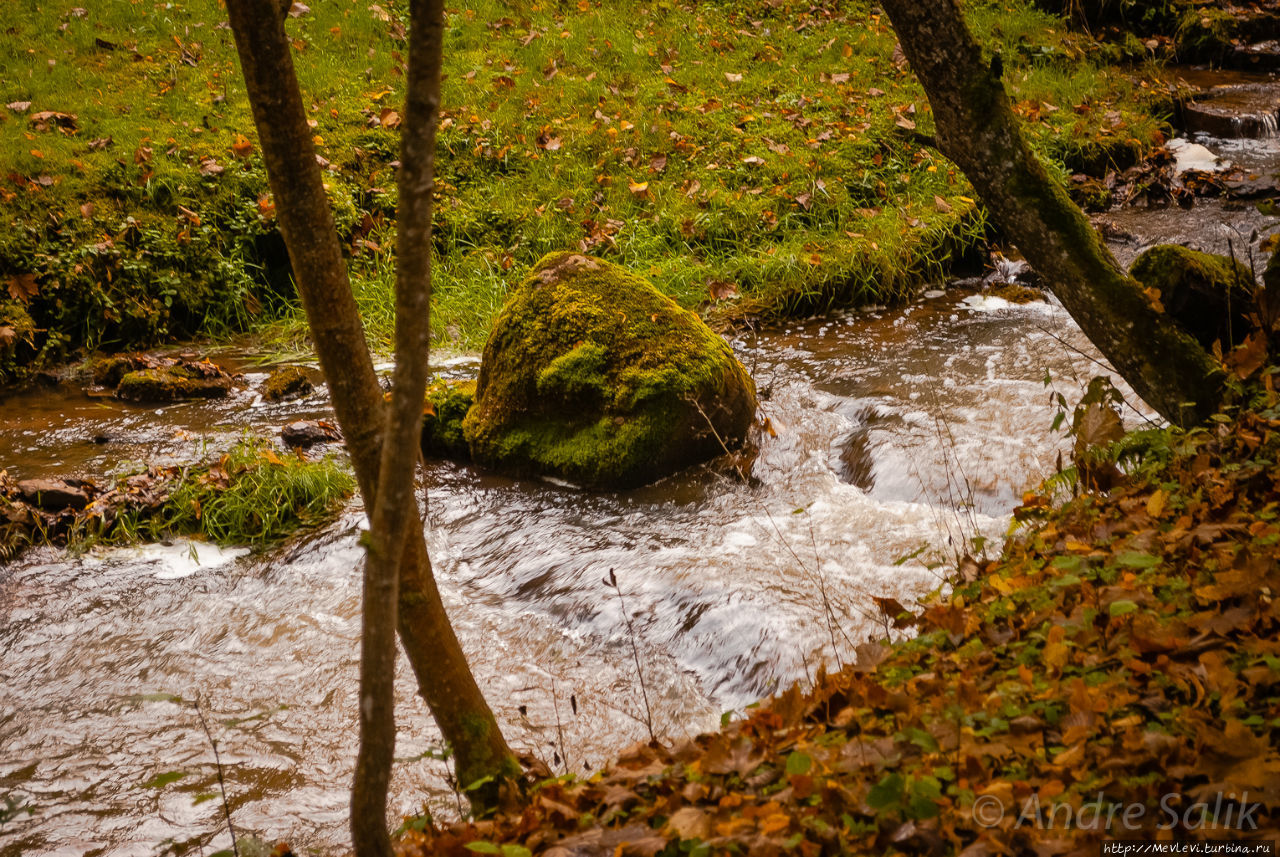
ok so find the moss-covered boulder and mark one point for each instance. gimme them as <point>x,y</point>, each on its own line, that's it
<point>594,376</point>
<point>442,415</point>
<point>1210,296</point>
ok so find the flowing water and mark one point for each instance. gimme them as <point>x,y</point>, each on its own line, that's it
<point>896,430</point>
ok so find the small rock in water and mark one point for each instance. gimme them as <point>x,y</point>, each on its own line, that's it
<point>145,378</point>
<point>305,433</point>
<point>53,494</point>
<point>287,383</point>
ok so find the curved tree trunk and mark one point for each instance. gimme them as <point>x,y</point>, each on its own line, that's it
<point>444,679</point>
<point>979,132</point>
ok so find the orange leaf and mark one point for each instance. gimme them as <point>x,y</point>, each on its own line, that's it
<point>23,287</point>
<point>776,822</point>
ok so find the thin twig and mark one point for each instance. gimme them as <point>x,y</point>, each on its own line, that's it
<point>222,785</point>
<point>612,580</point>
<point>555,702</point>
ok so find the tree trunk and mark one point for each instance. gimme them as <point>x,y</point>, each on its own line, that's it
<point>444,679</point>
<point>979,132</point>
<point>394,511</point>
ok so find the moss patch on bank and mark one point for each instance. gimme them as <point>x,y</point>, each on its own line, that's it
<point>765,155</point>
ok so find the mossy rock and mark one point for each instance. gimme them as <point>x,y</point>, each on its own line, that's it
<point>109,371</point>
<point>594,376</point>
<point>174,383</point>
<point>290,382</point>
<point>1210,296</point>
<point>1205,35</point>
<point>442,415</point>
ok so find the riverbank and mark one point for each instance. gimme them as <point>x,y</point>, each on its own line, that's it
<point>761,161</point>
<point>1111,675</point>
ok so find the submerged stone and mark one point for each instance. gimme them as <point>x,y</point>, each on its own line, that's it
<point>594,376</point>
<point>290,382</point>
<point>307,433</point>
<point>1210,296</point>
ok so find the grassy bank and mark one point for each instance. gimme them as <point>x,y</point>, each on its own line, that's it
<point>1113,674</point>
<point>251,495</point>
<point>767,156</point>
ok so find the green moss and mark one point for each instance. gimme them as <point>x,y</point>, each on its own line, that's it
<point>594,376</point>
<point>286,383</point>
<point>446,407</point>
<point>1205,34</point>
<point>1209,295</point>
<point>108,371</point>
<point>1015,293</point>
<point>17,337</point>
<point>171,383</point>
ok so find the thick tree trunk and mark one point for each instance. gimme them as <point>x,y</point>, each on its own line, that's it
<point>979,132</point>
<point>444,679</point>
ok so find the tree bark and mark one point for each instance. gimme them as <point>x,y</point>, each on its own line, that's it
<point>394,511</point>
<point>979,132</point>
<point>444,679</point>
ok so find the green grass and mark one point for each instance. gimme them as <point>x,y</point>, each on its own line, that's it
<point>251,496</point>
<point>750,144</point>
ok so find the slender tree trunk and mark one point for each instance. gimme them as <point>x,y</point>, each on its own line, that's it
<point>444,679</point>
<point>394,511</point>
<point>979,132</point>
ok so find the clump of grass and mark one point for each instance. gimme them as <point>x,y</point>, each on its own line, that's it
<point>250,496</point>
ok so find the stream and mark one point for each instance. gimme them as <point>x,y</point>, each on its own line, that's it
<point>901,433</point>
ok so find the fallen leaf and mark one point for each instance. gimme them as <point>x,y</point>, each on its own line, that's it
<point>1248,357</point>
<point>389,119</point>
<point>720,289</point>
<point>23,287</point>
